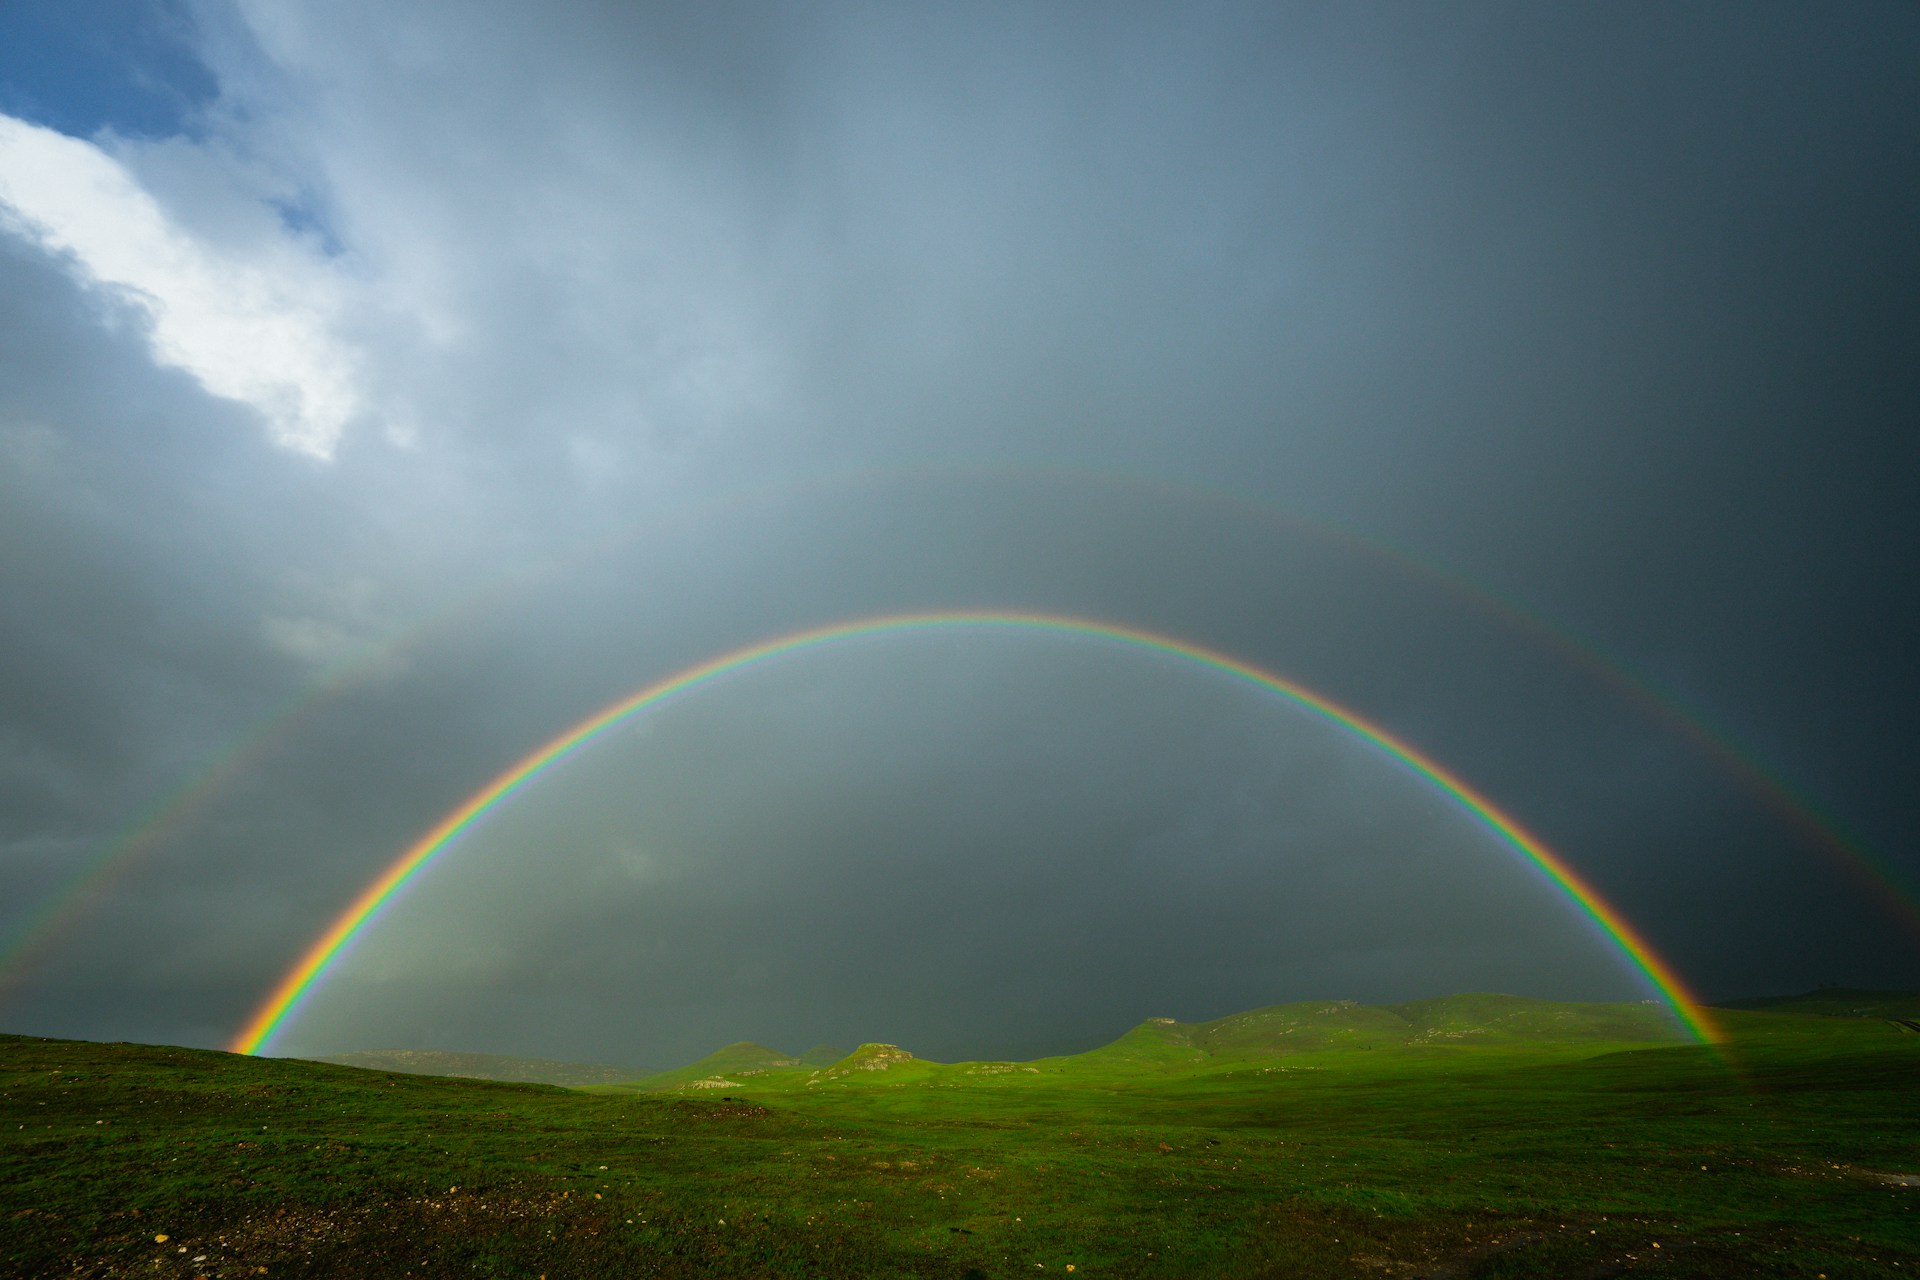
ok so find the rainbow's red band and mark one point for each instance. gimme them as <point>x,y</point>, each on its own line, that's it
<point>300,981</point>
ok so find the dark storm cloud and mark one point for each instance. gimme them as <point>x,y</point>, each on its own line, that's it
<point>932,835</point>
<point>613,338</point>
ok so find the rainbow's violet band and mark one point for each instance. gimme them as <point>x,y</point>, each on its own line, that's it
<point>306,976</point>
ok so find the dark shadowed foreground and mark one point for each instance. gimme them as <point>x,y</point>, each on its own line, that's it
<point>1176,1152</point>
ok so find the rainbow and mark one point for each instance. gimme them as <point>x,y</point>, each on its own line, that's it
<point>41,929</point>
<point>304,978</point>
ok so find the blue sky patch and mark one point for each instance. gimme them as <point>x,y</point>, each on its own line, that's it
<point>83,65</point>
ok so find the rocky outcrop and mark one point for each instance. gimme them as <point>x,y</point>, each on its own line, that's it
<point>868,1057</point>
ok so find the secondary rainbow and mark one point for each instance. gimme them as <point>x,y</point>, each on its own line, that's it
<point>37,932</point>
<point>304,978</point>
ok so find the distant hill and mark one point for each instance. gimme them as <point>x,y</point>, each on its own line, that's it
<point>482,1066</point>
<point>1447,1158</point>
<point>1837,1002</point>
<point>1317,1025</point>
<point>1161,1046</point>
<point>822,1055</point>
<point>1497,1019</point>
<point>1164,1046</point>
<point>725,1068</point>
<point>868,1057</point>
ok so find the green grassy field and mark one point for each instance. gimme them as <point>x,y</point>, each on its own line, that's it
<point>1355,1148</point>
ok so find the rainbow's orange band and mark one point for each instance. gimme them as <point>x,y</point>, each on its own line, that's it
<point>299,982</point>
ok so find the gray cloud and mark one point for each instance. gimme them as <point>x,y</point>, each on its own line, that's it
<point>670,333</point>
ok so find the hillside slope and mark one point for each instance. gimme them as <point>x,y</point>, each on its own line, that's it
<point>1837,1002</point>
<point>1162,1047</point>
<point>133,1160</point>
<point>481,1066</point>
<point>724,1068</point>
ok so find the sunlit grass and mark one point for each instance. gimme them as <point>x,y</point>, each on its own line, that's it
<point>1508,1161</point>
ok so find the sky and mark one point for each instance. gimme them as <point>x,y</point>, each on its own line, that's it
<point>386,388</point>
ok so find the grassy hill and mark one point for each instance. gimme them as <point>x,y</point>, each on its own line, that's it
<point>1787,1152</point>
<point>716,1070</point>
<point>724,1068</point>
<point>822,1055</point>
<point>1315,1026</point>
<point>1500,1019</point>
<point>482,1066</point>
<point>1165,1047</point>
<point>1158,1046</point>
<point>1838,1002</point>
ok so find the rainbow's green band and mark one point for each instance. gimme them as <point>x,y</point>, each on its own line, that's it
<point>304,977</point>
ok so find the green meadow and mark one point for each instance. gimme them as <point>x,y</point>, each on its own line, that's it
<point>1478,1136</point>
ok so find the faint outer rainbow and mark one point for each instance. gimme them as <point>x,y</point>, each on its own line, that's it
<point>301,981</point>
<point>40,930</point>
<point>1872,871</point>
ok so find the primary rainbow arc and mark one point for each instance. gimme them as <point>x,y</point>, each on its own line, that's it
<point>304,978</point>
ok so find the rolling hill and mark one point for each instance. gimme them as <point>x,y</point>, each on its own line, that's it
<point>1467,1137</point>
<point>1838,1002</point>
<point>481,1066</point>
<point>1165,1046</point>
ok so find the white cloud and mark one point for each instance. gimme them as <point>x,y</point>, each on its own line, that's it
<point>246,331</point>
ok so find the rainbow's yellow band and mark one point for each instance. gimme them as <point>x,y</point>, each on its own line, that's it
<point>300,981</point>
